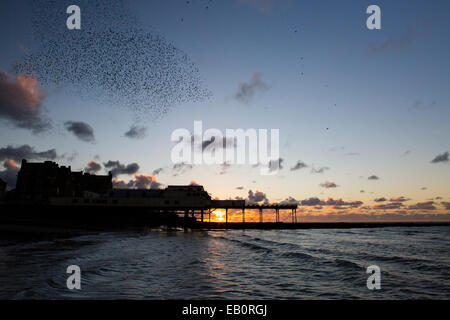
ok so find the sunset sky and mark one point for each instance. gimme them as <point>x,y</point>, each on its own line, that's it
<point>363,115</point>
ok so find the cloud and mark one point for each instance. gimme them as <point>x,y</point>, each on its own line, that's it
<point>257,197</point>
<point>446,205</point>
<point>311,202</point>
<point>120,184</point>
<point>81,130</point>
<point>144,181</point>
<point>380,200</point>
<point>10,174</point>
<point>117,168</point>
<point>328,184</point>
<point>337,203</point>
<point>224,168</point>
<point>299,165</point>
<point>290,201</point>
<point>398,42</point>
<point>399,199</point>
<point>373,177</point>
<point>388,206</point>
<point>342,203</point>
<point>141,181</point>
<point>240,188</point>
<point>428,205</point>
<point>93,167</point>
<point>157,171</point>
<point>136,132</point>
<point>440,158</point>
<point>319,170</point>
<point>26,152</point>
<point>247,91</point>
<point>272,165</point>
<point>21,102</point>
<point>225,143</point>
<point>181,167</point>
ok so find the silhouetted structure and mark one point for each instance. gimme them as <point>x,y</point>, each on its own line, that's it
<point>2,189</point>
<point>47,193</point>
<point>37,181</point>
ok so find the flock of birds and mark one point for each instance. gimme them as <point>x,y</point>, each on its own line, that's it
<point>111,59</point>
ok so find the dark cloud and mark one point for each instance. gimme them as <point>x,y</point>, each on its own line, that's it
<point>81,130</point>
<point>311,202</point>
<point>341,203</point>
<point>337,203</point>
<point>26,152</point>
<point>240,188</point>
<point>181,167</point>
<point>440,158</point>
<point>247,91</point>
<point>136,132</point>
<point>446,205</point>
<point>388,206</point>
<point>10,174</point>
<point>225,143</point>
<point>328,184</point>
<point>120,184</point>
<point>290,201</point>
<point>21,103</point>
<point>93,167</point>
<point>428,205</point>
<point>157,171</point>
<point>117,168</point>
<point>299,165</point>
<point>257,197</point>
<point>373,177</point>
<point>380,200</point>
<point>141,181</point>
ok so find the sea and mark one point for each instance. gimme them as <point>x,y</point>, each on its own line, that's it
<point>414,263</point>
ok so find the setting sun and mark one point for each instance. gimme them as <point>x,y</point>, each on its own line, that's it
<point>218,215</point>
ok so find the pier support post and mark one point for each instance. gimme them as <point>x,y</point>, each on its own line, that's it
<point>260,215</point>
<point>201,217</point>
<point>226,215</point>
<point>243,215</point>
<point>293,220</point>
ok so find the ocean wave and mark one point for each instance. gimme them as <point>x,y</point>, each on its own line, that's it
<point>347,264</point>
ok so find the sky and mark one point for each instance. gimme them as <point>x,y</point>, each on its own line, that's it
<point>363,115</point>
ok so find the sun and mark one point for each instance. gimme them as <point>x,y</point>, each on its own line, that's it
<point>218,215</point>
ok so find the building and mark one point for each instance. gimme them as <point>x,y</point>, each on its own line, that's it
<point>36,181</point>
<point>2,188</point>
